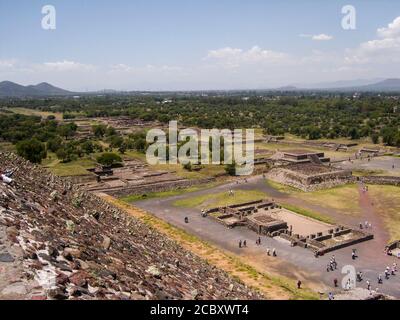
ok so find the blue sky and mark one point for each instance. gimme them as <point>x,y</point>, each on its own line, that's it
<point>187,44</point>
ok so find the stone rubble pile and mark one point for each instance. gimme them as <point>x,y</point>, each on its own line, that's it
<point>75,245</point>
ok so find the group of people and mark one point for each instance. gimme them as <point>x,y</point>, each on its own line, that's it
<point>366,225</point>
<point>273,252</point>
<point>332,265</point>
<point>242,243</point>
<point>388,272</point>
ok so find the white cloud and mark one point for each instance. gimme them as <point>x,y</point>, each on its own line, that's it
<point>382,51</point>
<point>317,37</point>
<point>234,57</point>
<point>392,30</point>
<point>9,63</point>
<point>322,37</point>
<point>66,65</point>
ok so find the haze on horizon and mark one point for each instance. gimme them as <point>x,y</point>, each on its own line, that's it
<point>187,45</point>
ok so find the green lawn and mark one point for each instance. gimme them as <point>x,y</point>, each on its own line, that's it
<point>74,168</point>
<point>165,194</point>
<point>343,199</point>
<point>221,199</point>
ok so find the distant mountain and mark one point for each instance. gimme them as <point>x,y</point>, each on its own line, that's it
<point>385,85</point>
<point>14,90</point>
<point>339,84</point>
<point>287,88</point>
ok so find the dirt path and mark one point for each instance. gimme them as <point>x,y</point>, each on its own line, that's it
<point>381,236</point>
<point>293,262</point>
<point>252,274</point>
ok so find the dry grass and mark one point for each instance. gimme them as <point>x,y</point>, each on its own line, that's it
<point>387,204</point>
<point>343,199</point>
<point>273,287</point>
<point>221,199</point>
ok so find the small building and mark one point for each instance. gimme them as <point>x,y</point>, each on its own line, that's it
<point>304,156</point>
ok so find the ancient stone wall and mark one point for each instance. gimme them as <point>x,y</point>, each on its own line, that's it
<point>156,187</point>
<point>381,180</point>
<point>78,246</point>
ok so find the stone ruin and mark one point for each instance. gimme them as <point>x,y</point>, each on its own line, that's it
<point>393,249</point>
<point>251,214</point>
<point>310,176</point>
<point>134,177</point>
<point>75,245</point>
<point>262,216</point>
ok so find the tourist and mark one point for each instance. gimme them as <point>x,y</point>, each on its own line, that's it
<point>334,262</point>
<point>244,243</point>
<point>368,285</point>
<point>268,252</point>
<point>6,176</point>
<point>366,224</point>
<point>274,252</point>
<point>387,276</point>
<point>186,220</point>
<point>240,243</point>
<point>380,279</point>
<point>395,266</point>
<point>330,296</point>
<point>335,282</point>
<point>353,255</point>
<point>348,284</point>
<point>393,271</point>
<point>299,284</point>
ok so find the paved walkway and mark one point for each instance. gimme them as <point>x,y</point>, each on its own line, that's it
<point>294,262</point>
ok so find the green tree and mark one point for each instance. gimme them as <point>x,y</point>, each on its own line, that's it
<point>230,168</point>
<point>54,144</point>
<point>375,138</point>
<point>99,130</point>
<point>67,130</point>
<point>108,159</point>
<point>32,150</point>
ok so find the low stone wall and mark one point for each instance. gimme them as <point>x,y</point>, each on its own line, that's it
<point>157,187</point>
<point>310,183</point>
<point>381,180</point>
<point>394,245</point>
<point>82,178</point>
<point>344,244</point>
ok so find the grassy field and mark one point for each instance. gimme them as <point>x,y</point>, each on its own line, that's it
<point>272,286</point>
<point>221,199</point>
<point>7,147</point>
<point>342,198</point>
<point>387,203</point>
<point>206,172</point>
<point>74,168</point>
<point>34,112</point>
<point>171,193</point>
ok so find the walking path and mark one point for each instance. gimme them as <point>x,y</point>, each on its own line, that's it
<point>293,262</point>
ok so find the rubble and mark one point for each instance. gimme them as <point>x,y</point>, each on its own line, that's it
<point>89,249</point>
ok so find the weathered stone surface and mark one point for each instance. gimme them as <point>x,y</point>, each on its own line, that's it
<point>6,257</point>
<point>93,250</point>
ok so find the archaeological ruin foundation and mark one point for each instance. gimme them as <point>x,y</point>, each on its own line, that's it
<point>270,219</point>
